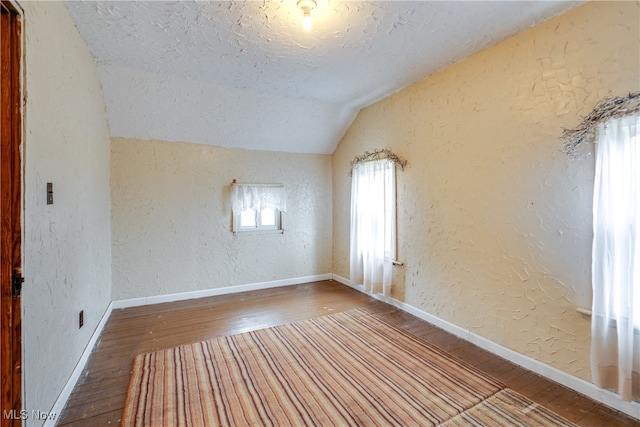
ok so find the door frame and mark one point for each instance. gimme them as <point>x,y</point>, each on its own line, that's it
<point>11,197</point>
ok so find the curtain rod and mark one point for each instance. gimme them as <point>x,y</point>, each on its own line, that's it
<point>608,108</point>
<point>379,154</point>
<point>235,182</point>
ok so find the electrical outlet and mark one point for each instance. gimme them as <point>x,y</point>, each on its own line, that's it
<point>81,319</point>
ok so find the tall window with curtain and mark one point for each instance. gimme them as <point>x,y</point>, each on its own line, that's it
<point>373,224</point>
<point>615,328</point>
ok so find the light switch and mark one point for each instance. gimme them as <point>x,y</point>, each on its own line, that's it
<point>49,193</point>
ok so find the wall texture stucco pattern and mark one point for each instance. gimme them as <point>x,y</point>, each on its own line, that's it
<point>494,221</point>
<point>67,245</point>
<point>171,217</point>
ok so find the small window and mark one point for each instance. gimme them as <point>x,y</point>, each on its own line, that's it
<point>267,219</point>
<point>258,207</point>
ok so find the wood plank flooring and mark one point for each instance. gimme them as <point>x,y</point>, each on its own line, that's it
<point>99,397</point>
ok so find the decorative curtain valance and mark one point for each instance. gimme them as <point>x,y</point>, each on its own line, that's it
<point>258,197</point>
<point>380,154</point>
<point>609,108</point>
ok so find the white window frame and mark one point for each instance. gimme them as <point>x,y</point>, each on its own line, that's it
<point>251,201</point>
<point>619,224</point>
<point>258,226</point>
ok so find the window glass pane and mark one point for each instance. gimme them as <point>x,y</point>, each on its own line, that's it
<point>268,217</point>
<point>248,218</point>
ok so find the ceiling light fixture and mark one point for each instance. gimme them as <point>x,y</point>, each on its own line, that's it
<point>307,6</point>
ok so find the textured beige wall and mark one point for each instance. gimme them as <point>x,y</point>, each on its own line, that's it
<point>172,217</point>
<point>494,221</point>
<point>67,245</point>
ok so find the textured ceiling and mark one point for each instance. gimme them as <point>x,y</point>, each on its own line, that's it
<point>246,74</point>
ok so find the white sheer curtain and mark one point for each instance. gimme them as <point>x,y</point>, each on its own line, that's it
<point>258,197</point>
<point>615,327</point>
<point>373,223</point>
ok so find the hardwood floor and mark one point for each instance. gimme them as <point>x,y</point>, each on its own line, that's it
<point>99,397</point>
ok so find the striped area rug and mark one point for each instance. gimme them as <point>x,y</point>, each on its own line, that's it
<point>345,369</point>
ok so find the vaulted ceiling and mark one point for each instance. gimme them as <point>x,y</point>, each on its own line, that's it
<point>246,74</point>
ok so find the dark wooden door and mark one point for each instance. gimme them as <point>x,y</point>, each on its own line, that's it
<point>10,223</point>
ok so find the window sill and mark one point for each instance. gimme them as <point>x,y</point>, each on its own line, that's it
<point>584,311</point>
<point>256,232</point>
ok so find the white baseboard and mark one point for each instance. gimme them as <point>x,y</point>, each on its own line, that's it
<point>181,296</point>
<point>581,386</point>
<point>61,401</point>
